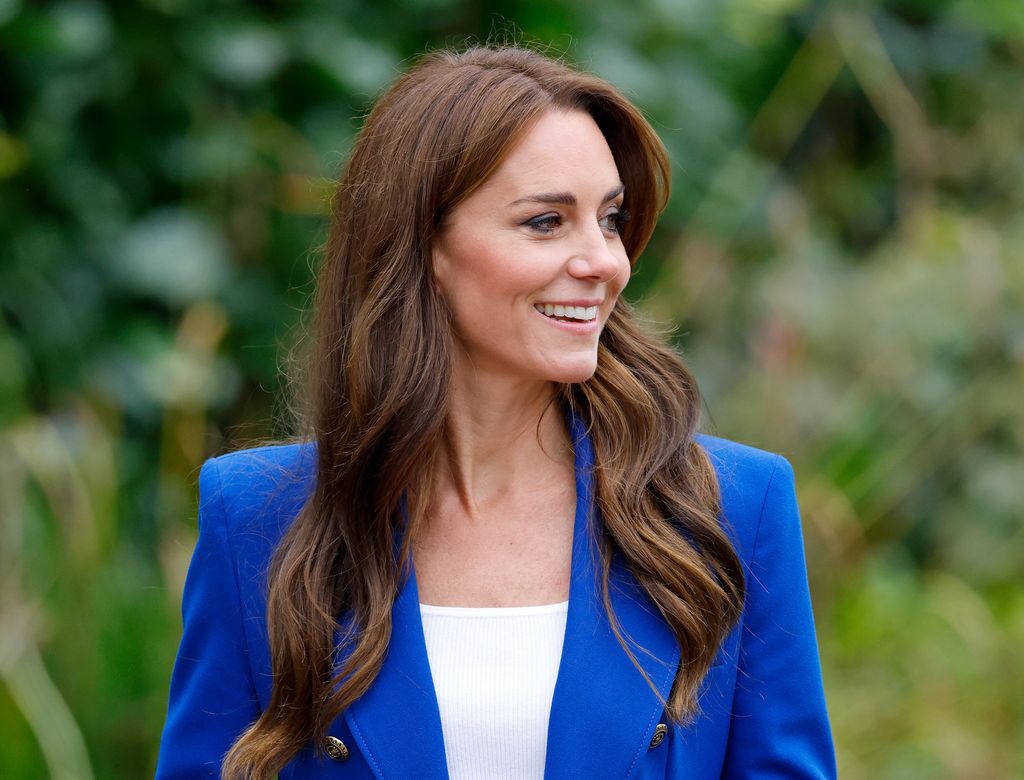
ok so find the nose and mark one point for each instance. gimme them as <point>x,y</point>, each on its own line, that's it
<point>597,257</point>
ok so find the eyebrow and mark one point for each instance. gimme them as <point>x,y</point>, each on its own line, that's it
<point>566,198</point>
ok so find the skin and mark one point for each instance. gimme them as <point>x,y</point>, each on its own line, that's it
<point>499,529</point>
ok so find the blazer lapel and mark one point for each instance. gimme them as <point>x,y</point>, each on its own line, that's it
<point>604,713</point>
<point>396,722</point>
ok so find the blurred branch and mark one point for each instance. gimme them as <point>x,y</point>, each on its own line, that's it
<point>781,118</point>
<point>920,451</point>
<point>865,53</point>
<point>200,331</point>
<point>47,714</point>
<point>21,667</point>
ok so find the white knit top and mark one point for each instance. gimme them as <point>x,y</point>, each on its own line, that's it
<point>494,673</point>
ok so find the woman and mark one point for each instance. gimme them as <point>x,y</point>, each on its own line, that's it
<point>507,552</point>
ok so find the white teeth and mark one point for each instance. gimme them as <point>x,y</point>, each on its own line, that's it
<point>583,313</point>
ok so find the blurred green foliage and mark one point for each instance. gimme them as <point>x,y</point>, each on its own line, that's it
<point>841,258</point>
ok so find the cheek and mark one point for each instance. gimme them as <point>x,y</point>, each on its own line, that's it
<point>479,286</point>
<point>456,269</point>
<point>623,275</point>
<point>468,261</point>
<point>498,276</point>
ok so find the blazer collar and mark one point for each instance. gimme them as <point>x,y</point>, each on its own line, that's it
<point>603,712</point>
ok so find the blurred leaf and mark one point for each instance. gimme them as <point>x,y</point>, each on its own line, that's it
<point>173,254</point>
<point>245,53</point>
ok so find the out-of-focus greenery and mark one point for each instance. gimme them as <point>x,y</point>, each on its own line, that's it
<point>842,256</point>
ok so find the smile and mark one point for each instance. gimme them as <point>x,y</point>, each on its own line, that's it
<point>565,313</point>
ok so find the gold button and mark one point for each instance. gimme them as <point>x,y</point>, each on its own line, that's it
<point>335,749</point>
<point>659,735</point>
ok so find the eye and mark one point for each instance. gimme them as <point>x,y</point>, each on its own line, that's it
<point>545,223</point>
<point>615,221</point>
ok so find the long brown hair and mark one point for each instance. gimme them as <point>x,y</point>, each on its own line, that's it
<point>381,369</point>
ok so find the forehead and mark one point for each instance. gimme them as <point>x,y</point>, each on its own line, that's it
<point>561,151</point>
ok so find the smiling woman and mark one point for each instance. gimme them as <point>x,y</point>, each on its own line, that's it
<point>506,552</point>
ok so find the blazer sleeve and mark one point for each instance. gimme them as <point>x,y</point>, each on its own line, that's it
<point>779,726</point>
<point>213,698</point>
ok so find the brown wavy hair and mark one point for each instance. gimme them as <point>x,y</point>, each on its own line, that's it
<point>381,367</point>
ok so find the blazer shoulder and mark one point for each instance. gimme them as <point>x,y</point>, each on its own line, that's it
<point>261,489</point>
<point>727,453</point>
<point>745,475</point>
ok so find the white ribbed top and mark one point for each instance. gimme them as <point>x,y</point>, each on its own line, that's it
<point>494,673</point>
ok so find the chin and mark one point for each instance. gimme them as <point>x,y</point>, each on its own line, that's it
<point>574,372</point>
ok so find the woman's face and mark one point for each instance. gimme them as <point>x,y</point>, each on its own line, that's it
<point>540,235</point>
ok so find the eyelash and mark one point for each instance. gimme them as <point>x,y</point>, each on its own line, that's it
<point>548,222</point>
<point>619,219</point>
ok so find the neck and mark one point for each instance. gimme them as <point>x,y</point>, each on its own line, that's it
<point>500,433</point>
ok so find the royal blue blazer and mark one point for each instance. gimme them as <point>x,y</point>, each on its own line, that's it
<point>762,704</point>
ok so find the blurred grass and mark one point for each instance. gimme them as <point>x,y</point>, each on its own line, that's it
<point>841,260</point>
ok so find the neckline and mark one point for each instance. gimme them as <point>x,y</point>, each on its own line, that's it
<point>532,609</point>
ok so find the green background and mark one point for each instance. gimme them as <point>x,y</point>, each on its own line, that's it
<point>841,264</point>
